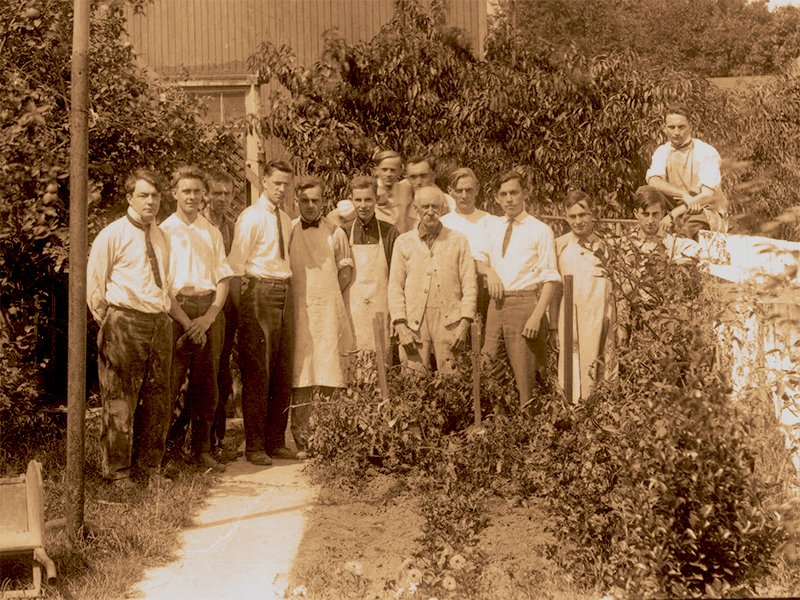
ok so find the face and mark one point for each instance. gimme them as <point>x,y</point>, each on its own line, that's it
<point>419,175</point>
<point>388,171</point>
<point>650,218</point>
<point>145,200</point>
<point>309,201</point>
<point>429,207</point>
<point>580,219</point>
<point>511,197</point>
<point>189,194</point>
<point>465,193</point>
<point>220,195</point>
<point>276,186</point>
<point>677,129</point>
<point>364,202</point>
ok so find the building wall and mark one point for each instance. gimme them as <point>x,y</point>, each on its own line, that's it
<point>212,39</point>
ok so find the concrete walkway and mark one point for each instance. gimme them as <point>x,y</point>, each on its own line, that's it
<point>242,544</point>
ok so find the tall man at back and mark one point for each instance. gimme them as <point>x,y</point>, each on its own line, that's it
<point>371,243</point>
<point>260,254</point>
<point>519,263</point>
<point>220,197</point>
<point>687,171</point>
<point>127,291</point>
<point>200,274</point>
<point>394,196</point>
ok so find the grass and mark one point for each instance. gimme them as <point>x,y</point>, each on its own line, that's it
<point>128,534</point>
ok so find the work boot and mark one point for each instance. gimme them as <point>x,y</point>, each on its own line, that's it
<point>206,461</point>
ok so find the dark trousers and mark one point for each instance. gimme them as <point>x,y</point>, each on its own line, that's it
<point>265,356</point>
<point>505,342</point>
<point>224,379</point>
<point>201,365</point>
<point>134,359</point>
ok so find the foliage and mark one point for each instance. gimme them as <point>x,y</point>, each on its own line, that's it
<point>134,121</point>
<point>565,121</point>
<point>708,37</point>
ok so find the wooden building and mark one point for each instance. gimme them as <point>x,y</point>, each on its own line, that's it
<point>203,45</point>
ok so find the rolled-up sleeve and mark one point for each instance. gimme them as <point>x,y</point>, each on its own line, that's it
<point>547,265</point>
<point>341,249</point>
<point>97,271</point>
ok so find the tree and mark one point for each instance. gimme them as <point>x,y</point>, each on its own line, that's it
<point>714,38</point>
<point>134,121</point>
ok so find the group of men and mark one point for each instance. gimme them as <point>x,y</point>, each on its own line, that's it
<point>305,292</point>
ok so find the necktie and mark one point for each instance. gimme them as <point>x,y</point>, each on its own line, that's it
<point>307,224</point>
<point>507,236</point>
<point>280,232</point>
<point>151,253</point>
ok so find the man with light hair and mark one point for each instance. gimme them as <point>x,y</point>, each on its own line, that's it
<point>471,221</point>
<point>687,171</point>
<point>432,287</point>
<point>200,274</point>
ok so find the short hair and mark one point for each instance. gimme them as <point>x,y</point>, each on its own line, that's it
<point>307,182</point>
<point>363,182</point>
<point>462,172</point>
<point>678,108</point>
<point>647,195</point>
<point>220,177</point>
<point>150,177</point>
<point>417,158</point>
<point>278,165</point>
<point>381,155</point>
<point>187,172</point>
<point>508,176</point>
<point>576,196</point>
<point>438,193</point>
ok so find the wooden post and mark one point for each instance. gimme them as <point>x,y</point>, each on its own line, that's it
<point>76,331</point>
<point>476,371</point>
<point>568,341</point>
<point>380,354</point>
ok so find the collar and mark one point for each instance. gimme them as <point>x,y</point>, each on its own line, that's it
<point>307,224</point>
<point>519,218</point>
<point>136,219</point>
<point>685,145</point>
<point>423,231</point>
<point>268,204</point>
<point>368,224</point>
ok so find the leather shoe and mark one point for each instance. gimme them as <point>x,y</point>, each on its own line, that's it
<point>283,453</point>
<point>258,458</point>
<point>206,461</point>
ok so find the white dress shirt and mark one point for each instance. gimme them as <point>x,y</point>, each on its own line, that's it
<point>119,271</point>
<point>473,226</point>
<point>255,249</point>
<point>197,259</point>
<point>530,258</point>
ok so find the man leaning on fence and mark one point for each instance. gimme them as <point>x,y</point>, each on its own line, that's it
<point>128,293</point>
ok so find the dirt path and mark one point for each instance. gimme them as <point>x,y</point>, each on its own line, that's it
<point>243,542</point>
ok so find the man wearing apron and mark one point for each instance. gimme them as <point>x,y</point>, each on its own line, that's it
<point>372,243</point>
<point>323,338</point>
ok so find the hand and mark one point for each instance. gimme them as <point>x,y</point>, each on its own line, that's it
<point>197,328</point>
<point>495,286</point>
<point>459,342</point>
<point>694,204</point>
<point>532,325</point>
<point>407,339</point>
<point>666,222</point>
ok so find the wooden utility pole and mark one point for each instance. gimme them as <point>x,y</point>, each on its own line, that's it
<point>78,188</point>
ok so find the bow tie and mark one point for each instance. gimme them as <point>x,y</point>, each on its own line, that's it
<point>307,224</point>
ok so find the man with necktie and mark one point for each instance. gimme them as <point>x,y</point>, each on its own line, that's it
<point>519,263</point>
<point>128,293</point>
<point>260,254</point>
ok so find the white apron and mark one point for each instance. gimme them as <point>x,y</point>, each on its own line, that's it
<point>369,292</point>
<point>593,321</point>
<point>322,334</point>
